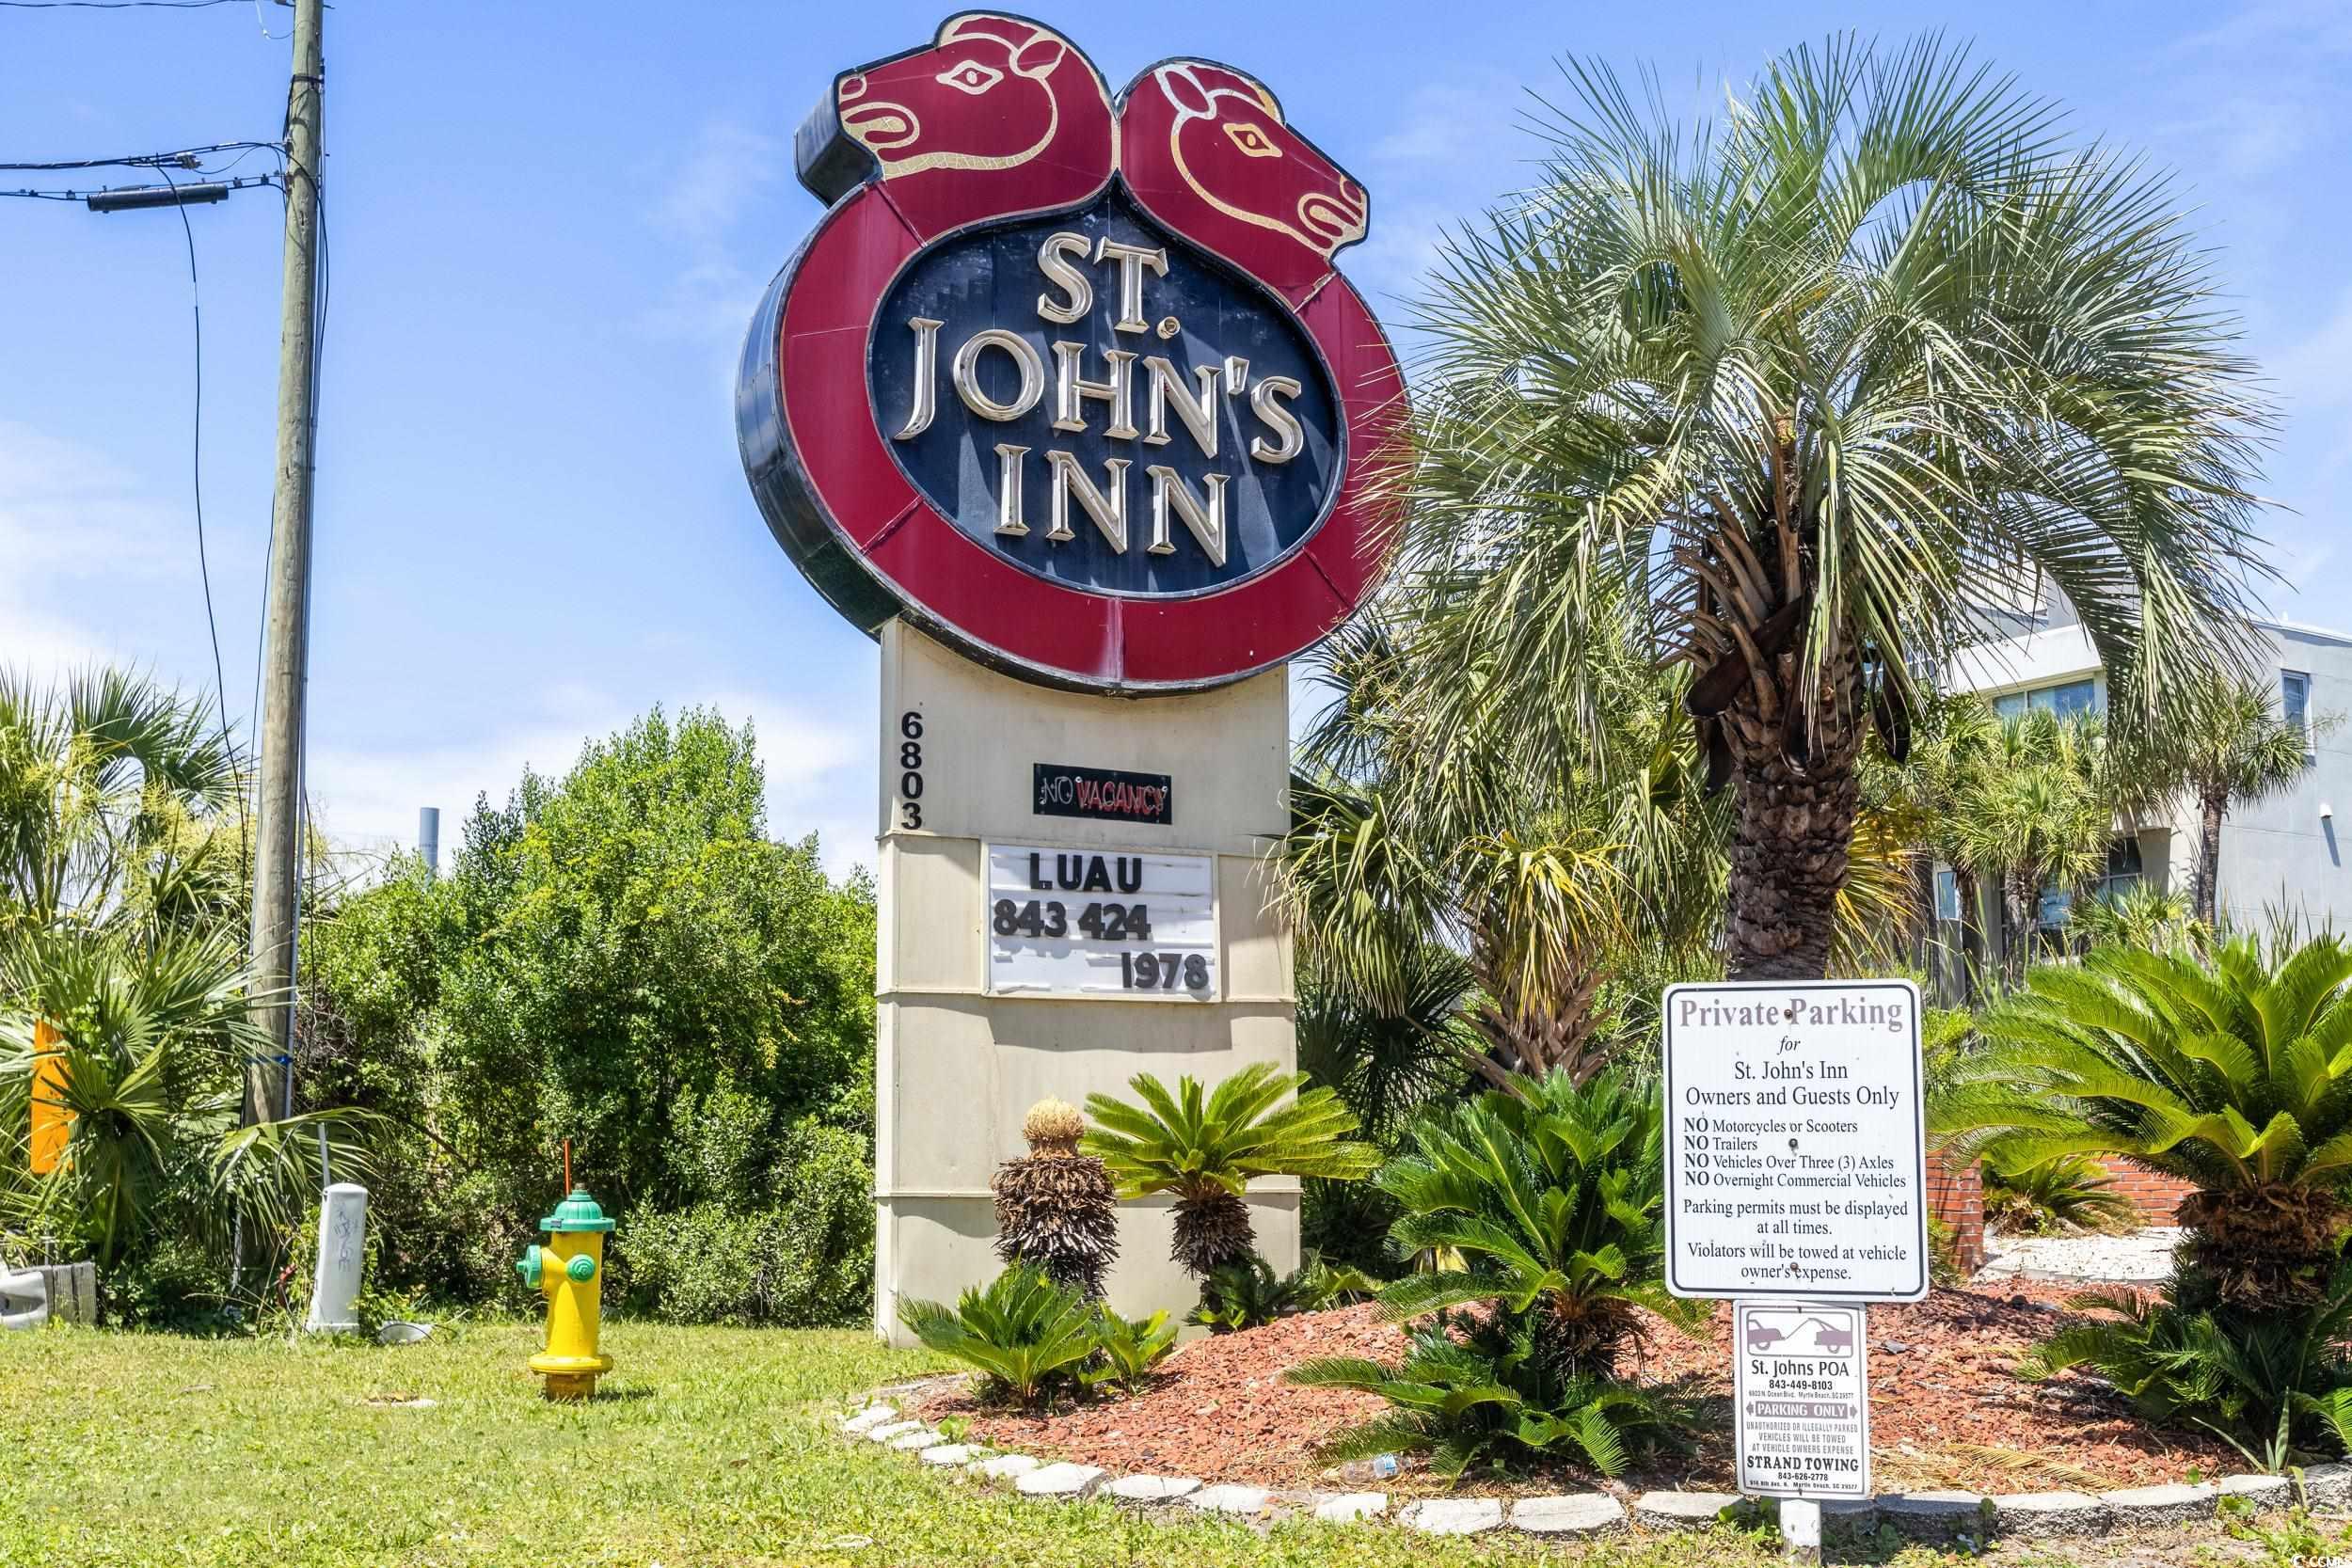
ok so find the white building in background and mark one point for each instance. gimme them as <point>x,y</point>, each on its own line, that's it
<point>2279,854</point>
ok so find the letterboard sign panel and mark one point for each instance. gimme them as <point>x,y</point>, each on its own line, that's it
<point>1099,924</point>
<point>1069,378</point>
<point>1106,793</point>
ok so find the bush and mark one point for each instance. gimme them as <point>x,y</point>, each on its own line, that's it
<point>1027,1337</point>
<point>1128,1350</point>
<point>1547,1200</point>
<point>2227,1073</point>
<point>1247,1294</point>
<point>2272,1383</point>
<point>624,958</point>
<point>1542,1202</point>
<point>2070,1192</point>
<point>1476,1389</point>
<point>806,1262</point>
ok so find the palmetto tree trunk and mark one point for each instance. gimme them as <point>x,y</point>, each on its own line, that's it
<point>2211,807</point>
<point>2021,897</point>
<point>1538,1035</point>
<point>1798,795</point>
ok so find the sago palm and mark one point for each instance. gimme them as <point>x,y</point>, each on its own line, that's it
<point>1472,1391</point>
<point>1547,1202</point>
<point>1025,1335</point>
<point>1804,386</point>
<point>1205,1148</point>
<point>2234,1074</point>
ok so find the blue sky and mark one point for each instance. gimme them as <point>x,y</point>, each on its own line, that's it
<point>549,224</point>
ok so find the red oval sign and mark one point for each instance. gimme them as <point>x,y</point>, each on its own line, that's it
<point>1070,380</point>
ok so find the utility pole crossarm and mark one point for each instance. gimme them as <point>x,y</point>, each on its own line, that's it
<point>286,651</point>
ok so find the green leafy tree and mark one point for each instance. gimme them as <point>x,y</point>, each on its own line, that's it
<point>1802,386</point>
<point>620,957</point>
<point>1205,1148</point>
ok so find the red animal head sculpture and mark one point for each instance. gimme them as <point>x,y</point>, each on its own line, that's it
<point>1205,151</point>
<point>996,116</point>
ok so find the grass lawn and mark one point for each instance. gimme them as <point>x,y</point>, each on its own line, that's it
<point>710,1445</point>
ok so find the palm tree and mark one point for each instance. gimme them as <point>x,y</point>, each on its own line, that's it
<point>2223,741</point>
<point>155,1028</point>
<point>2035,811</point>
<point>1205,1149</point>
<point>1952,739</point>
<point>1801,387</point>
<point>1540,855</point>
<point>112,789</point>
<point>2231,1074</point>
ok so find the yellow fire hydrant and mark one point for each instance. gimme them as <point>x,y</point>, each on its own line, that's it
<point>570,1270</point>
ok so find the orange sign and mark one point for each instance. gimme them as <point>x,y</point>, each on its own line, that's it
<point>53,1123</point>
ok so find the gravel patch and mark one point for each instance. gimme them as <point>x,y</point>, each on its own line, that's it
<point>2139,1258</point>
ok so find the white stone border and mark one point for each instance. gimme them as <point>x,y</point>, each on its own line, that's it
<point>1936,1517</point>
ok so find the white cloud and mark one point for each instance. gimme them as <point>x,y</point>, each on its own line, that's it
<point>79,534</point>
<point>728,166</point>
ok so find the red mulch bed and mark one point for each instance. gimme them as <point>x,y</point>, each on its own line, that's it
<point>1946,1409</point>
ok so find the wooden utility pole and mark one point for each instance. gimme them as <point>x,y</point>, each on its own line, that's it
<point>286,656</point>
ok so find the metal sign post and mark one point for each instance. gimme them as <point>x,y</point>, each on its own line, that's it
<point>1796,1186</point>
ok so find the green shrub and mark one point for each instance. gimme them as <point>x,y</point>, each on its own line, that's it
<point>1475,1390</point>
<point>805,1262</point>
<point>1542,1203</point>
<point>1127,1350</point>
<point>1027,1337</point>
<point>1548,1201</point>
<point>1347,1223</point>
<point>2228,1073</point>
<point>1247,1294</point>
<point>2273,1384</point>
<point>2071,1191</point>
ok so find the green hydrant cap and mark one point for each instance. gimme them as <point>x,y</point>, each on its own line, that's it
<point>576,1212</point>
<point>582,1268</point>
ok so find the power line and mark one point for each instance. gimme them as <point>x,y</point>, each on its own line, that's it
<point>196,472</point>
<point>182,157</point>
<point>113,5</point>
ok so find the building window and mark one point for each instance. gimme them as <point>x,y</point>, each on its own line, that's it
<point>2065,699</point>
<point>2055,903</point>
<point>2125,868</point>
<point>1947,894</point>
<point>2295,698</point>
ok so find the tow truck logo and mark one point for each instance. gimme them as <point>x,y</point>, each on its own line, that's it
<point>1118,411</point>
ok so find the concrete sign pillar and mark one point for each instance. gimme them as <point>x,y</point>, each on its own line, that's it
<point>955,1067</point>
